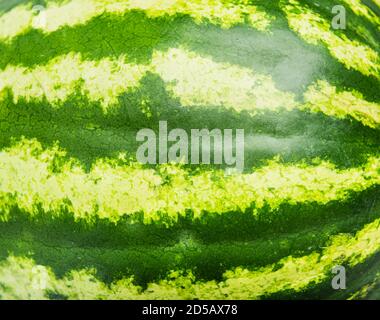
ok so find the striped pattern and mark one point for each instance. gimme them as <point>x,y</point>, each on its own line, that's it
<point>81,215</point>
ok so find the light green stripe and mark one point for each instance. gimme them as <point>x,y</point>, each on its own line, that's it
<point>325,98</point>
<point>192,78</point>
<point>76,12</point>
<point>111,191</point>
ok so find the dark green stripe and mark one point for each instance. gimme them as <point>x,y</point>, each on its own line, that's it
<point>86,133</point>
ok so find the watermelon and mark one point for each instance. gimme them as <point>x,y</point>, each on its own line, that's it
<point>82,218</point>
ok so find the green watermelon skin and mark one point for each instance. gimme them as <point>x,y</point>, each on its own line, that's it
<point>82,219</point>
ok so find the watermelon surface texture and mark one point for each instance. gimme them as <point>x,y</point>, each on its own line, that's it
<point>81,218</point>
